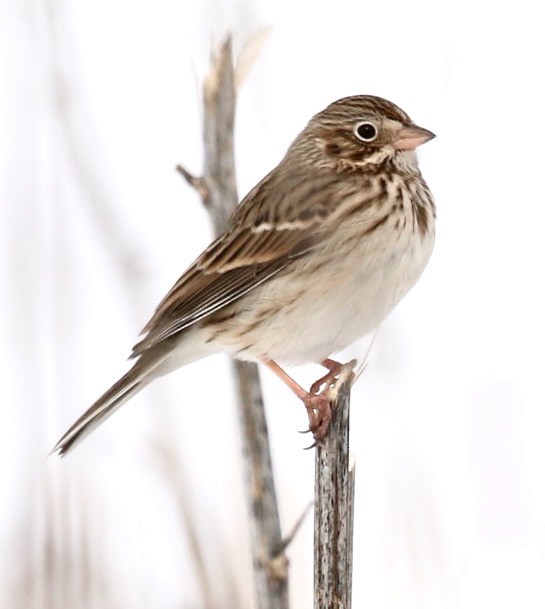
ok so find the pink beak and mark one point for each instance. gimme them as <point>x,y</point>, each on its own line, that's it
<point>410,137</point>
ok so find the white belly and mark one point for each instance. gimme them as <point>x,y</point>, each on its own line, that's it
<point>320,316</point>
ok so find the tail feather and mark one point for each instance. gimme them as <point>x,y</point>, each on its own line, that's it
<point>126,387</point>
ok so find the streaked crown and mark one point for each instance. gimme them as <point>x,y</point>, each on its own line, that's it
<point>360,131</point>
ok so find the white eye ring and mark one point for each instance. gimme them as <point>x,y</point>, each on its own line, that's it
<point>366,131</point>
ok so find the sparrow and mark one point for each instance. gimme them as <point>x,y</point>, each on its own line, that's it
<point>315,256</point>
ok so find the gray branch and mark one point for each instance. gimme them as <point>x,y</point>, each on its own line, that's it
<point>217,189</point>
<point>334,510</point>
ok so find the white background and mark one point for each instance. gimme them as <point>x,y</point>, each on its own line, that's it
<point>99,101</point>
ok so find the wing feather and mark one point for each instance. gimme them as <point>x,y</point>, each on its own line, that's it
<point>266,233</point>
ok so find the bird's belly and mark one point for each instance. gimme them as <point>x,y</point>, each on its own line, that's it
<point>307,317</point>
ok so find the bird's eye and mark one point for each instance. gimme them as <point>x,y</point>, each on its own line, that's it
<point>366,131</point>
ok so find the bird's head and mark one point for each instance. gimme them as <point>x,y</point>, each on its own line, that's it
<point>362,132</point>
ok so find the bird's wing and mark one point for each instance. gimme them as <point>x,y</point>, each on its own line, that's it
<point>270,228</point>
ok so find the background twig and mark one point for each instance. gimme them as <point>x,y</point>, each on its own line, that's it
<point>217,189</point>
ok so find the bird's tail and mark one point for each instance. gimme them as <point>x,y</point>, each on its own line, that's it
<point>126,387</point>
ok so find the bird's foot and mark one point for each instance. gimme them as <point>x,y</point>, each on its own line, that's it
<point>320,412</point>
<point>336,371</point>
<point>321,399</point>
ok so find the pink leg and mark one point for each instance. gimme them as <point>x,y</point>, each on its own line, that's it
<point>331,364</point>
<point>318,405</point>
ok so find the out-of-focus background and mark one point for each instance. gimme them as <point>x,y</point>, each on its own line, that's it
<point>99,101</point>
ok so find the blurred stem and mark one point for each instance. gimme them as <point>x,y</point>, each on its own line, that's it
<point>217,189</point>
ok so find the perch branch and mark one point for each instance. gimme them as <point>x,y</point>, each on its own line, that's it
<point>334,509</point>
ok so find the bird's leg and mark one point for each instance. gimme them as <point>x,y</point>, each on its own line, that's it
<point>329,379</point>
<point>331,364</point>
<point>318,405</point>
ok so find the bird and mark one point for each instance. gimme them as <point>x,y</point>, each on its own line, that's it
<point>314,257</point>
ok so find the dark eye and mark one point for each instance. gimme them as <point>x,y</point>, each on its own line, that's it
<point>366,131</point>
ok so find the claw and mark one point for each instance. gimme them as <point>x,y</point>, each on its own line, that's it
<point>317,385</point>
<point>313,445</point>
<point>320,401</point>
<point>328,378</point>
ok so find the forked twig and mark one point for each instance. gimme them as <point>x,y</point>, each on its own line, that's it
<point>295,529</point>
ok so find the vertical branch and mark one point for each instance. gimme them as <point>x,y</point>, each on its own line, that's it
<point>270,562</point>
<point>334,510</point>
<point>217,189</point>
<point>219,99</point>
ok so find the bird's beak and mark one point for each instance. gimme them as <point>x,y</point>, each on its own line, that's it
<point>409,137</point>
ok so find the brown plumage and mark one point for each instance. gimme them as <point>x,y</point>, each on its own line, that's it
<point>315,256</point>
